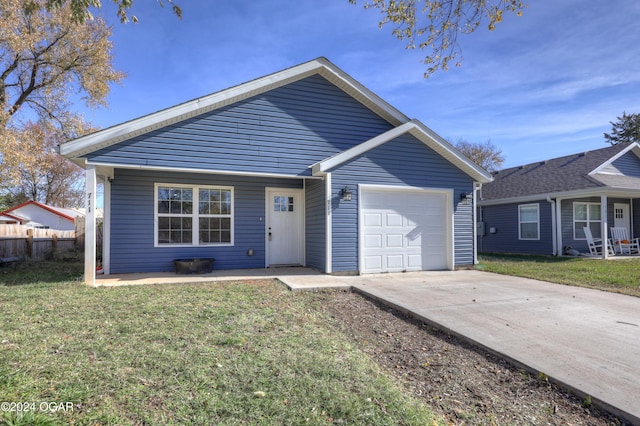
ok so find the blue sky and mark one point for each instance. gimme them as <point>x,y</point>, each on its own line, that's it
<point>540,86</point>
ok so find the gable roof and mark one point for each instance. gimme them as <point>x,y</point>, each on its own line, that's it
<point>65,213</point>
<point>84,145</point>
<point>419,131</point>
<point>7,216</point>
<point>571,173</point>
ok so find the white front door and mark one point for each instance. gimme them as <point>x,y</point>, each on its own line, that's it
<point>285,227</point>
<point>621,216</point>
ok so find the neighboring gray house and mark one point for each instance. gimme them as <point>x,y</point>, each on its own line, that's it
<point>302,167</point>
<point>542,207</point>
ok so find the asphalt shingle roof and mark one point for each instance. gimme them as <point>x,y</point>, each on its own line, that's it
<point>560,174</point>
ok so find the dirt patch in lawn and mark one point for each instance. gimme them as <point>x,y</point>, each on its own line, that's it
<point>462,383</point>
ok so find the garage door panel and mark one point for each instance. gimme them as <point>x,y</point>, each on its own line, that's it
<point>393,219</point>
<point>415,242</point>
<point>410,222</point>
<point>414,261</point>
<point>395,241</point>
<point>373,263</point>
<point>395,262</point>
<point>373,219</point>
<point>373,241</point>
<point>404,230</point>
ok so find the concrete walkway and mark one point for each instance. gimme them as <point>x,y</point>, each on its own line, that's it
<point>586,340</point>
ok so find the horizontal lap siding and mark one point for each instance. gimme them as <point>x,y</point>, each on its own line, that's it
<point>504,218</point>
<point>132,223</point>
<point>315,224</point>
<point>404,161</point>
<point>283,131</point>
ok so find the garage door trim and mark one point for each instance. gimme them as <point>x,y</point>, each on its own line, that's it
<point>449,217</point>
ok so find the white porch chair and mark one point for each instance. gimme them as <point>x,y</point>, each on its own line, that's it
<point>622,243</point>
<point>595,244</point>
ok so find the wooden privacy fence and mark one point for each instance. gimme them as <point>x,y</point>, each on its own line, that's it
<point>19,241</point>
<point>80,235</point>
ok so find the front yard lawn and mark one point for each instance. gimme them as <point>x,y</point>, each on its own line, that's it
<point>616,275</point>
<point>217,353</point>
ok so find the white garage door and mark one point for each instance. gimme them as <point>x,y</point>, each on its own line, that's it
<point>404,230</point>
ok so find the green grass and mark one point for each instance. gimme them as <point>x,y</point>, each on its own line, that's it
<point>30,272</point>
<point>621,276</point>
<point>184,354</point>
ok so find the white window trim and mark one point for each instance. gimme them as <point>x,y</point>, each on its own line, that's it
<point>588,220</point>
<point>196,223</point>
<point>537,221</point>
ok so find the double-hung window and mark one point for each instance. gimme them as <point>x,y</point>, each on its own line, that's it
<point>193,215</point>
<point>529,221</point>
<point>586,214</point>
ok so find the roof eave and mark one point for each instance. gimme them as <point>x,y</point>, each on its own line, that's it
<point>42,206</point>
<point>578,193</point>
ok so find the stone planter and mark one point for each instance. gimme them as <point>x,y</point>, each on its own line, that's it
<point>193,266</point>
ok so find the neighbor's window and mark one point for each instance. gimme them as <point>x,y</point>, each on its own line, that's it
<point>529,222</point>
<point>586,214</point>
<point>194,215</point>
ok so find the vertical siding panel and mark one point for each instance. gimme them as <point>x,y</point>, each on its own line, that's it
<point>404,161</point>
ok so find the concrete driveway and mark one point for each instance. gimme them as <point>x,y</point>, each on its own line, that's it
<point>587,340</point>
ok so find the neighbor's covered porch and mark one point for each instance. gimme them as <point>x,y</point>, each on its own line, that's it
<point>599,212</point>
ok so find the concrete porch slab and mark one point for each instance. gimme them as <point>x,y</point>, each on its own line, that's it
<point>296,278</point>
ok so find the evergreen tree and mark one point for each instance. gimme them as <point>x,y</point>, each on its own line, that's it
<point>626,129</point>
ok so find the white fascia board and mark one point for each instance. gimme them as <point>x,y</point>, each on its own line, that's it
<point>615,157</point>
<point>422,133</point>
<point>145,124</point>
<point>356,90</point>
<point>191,170</point>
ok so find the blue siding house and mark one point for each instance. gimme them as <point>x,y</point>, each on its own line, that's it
<point>302,167</point>
<point>543,207</point>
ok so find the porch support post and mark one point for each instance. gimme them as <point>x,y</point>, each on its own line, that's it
<point>106,227</point>
<point>558,228</point>
<point>632,231</point>
<point>328,224</point>
<point>554,234</point>
<point>476,189</point>
<point>604,230</point>
<point>90,226</point>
